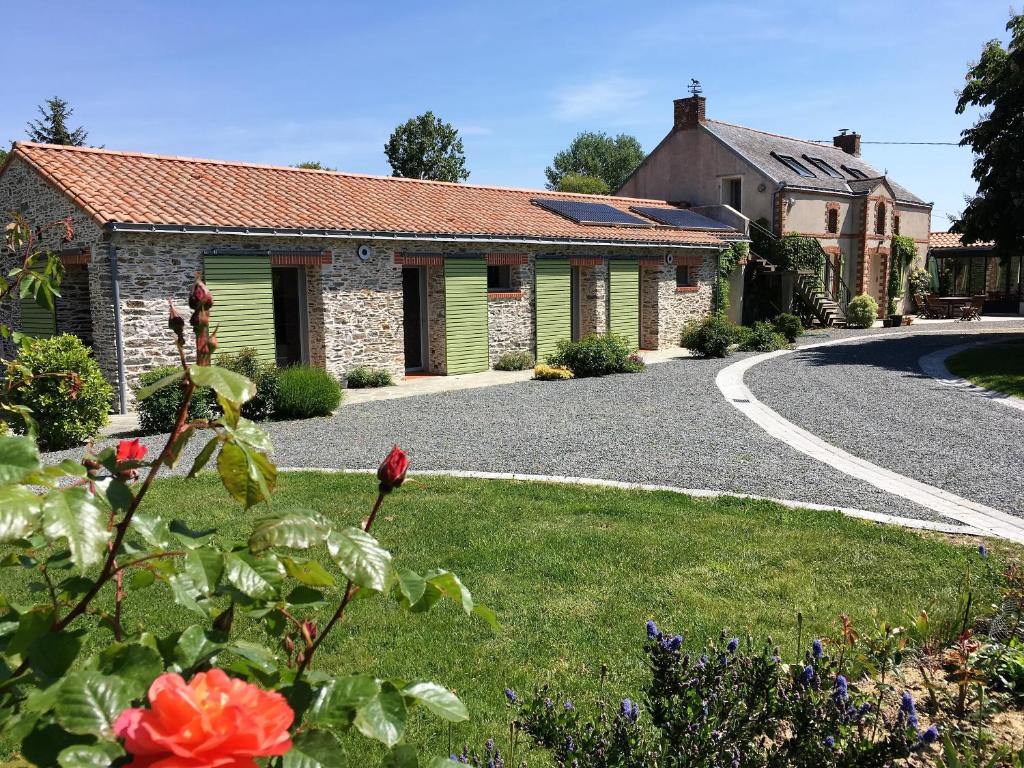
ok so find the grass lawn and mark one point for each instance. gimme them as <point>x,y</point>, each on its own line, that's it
<point>993,366</point>
<point>574,573</point>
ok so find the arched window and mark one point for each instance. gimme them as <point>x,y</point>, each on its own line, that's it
<point>880,219</point>
<point>896,224</point>
<point>833,220</point>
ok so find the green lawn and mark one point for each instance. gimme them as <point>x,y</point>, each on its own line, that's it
<point>993,366</point>
<point>574,573</point>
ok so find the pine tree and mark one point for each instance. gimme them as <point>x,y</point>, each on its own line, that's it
<point>52,128</point>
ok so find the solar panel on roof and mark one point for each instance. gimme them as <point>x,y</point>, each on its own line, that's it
<point>591,213</point>
<point>679,217</point>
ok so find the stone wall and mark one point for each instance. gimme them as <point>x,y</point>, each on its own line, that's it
<point>594,299</point>
<point>510,325</point>
<point>677,308</point>
<point>73,310</point>
<point>436,349</point>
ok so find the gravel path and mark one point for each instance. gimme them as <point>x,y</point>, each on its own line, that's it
<point>872,400</point>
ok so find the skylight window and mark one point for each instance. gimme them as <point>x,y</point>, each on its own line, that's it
<point>824,167</point>
<point>795,165</point>
<point>854,172</point>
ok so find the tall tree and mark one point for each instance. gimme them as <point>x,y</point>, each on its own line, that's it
<point>3,156</point>
<point>597,154</point>
<point>426,147</point>
<point>996,82</point>
<point>585,185</point>
<point>313,165</point>
<point>52,128</point>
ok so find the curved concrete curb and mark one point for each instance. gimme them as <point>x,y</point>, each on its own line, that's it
<point>934,365</point>
<point>860,514</point>
<point>991,521</point>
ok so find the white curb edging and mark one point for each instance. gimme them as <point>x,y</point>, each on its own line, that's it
<point>860,514</point>
<point>988,519</point>
<point>934,365</point>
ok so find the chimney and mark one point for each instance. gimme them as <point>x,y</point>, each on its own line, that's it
<point>689,112</point>
<point>848,142</point>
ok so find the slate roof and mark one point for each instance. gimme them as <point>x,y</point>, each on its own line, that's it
<point>143,189</point>
<point>757,147</point>
<point>940,240</point>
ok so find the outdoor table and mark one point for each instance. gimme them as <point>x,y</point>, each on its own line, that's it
<point>954,301</point>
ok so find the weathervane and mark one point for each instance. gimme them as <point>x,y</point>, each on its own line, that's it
<point>694,87</point>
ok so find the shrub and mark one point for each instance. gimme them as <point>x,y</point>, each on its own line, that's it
<point>261,373</point>
<point>158,412</point>
<point>519,360</point>
<point>711,337</point>
<point>598,354</point>
<point>544,372</point>
<point>304,392</point>
<point>920,281</point>
<point>763,338</point>
<point>790,326</point>
<point>862,311</point>
<point>363,377</point>
<point>63,419</point>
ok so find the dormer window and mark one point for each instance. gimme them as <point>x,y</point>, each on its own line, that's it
<point>880,212</point>
<point>824,167</point>
<point>794,165</point>
<point>854,173</point>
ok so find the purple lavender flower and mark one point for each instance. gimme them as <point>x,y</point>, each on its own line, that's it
<point>549,704</point>
<point>629,710</point>
<point>830,742</point>
<point>570,745</point>
<point>931,735</point>
<point>511,696</point>
<point>489,745</point>
<point>982,550</point>
<point>807,674</point>
<point>652,629</point>
<point>817,649</point>
<point>733,645</point>
<point>567,706</point>
<point>674,643</point>
<point>842,688</point>
<point>909,710</point>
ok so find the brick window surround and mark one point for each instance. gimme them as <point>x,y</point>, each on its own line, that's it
<point>685,282</point>
<point>832,218</point>
<point>880,214</point>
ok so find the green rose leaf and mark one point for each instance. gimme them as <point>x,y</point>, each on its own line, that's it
<point>53,654</point>
<point>336,702</point>
<point>360,558</point>
<point>314,749</point>
<point>153,529</point>
<point>383,718</point>
<point>253,577</point>
<point>296,531</point>
<point>233,386</point>
<point>156,386</point>
<point>401,756</point>
<point>451,587</point>
<point>19,457</point>
<point>204,456</point>
<point>90,702</point>
<point>411,585</point>
<point>195,645</point>
<point>247,475</point>
<point>309,572</point>
<point>137,664</point>
<point>141,580</point>
<point>19,512</point>
<point>251,434</point>
<point>187,594</point>
<point>72,514</point>
<point>438,700</point>
<point>99,755</point>
<point>204,566</point>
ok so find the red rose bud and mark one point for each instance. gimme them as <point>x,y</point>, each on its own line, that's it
<point>392,472</point>
<point>200,298</point>
<point>176,322</point>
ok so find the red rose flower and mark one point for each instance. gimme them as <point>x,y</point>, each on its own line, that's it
<point>213,721</point>
<point>131,450</point>
<point>392,472</point>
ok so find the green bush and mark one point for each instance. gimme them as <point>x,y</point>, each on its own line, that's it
<point>790,326</point>
<point>862,311</point>
<point>264,375</point>
<point>519,360</point>
<point>711,337</point>
<point>158,412</point>
<point>304,392</point>
<point>763,338</point>
<point>598,354</point>
<point>64,419</point>
<point>363,377</point>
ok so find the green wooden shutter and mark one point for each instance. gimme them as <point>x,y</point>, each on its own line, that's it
<point>553,292</point>
<point>624,299</point>
<point>36,320</point>
<point>465,315</point>
<point>243,303</point>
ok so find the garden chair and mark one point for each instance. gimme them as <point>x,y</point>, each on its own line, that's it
<point>921,302</point>
<point>972,311</point>
<point>936,308</point>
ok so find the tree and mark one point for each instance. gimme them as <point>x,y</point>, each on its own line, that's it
<point>996,82</point>
<point>584,185</point>
<point>597,154</point>
<point>3,156</point>
<point>314,165</point>
<point>53,127</point>
<point>426,147</point>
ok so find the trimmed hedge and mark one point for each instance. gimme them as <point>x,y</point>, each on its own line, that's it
<point>363,377</point>
<point>305,392</point>
<point>862,311</point>
<point>264,375</point>
<point>158,412</point>
<point>65,418</point>
<point>598,354</point>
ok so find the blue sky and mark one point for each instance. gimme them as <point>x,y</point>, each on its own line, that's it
<point>281,83</point>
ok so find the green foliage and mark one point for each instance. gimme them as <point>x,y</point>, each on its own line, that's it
<point>426,147</point>
<point>599,155</point>
<point>763,338</point>
<point>921,281</point>
<point>711,337</point>
<point>862,311</point>
<point>995,84</point>
<point>519,360</point>
<point>790,326</point>
<point>305,392</point>
<point>544,372</point>
<point>313,165</point>
<point>363,376</point>
<point>64,419</point>
<point>903,253</point>
<point>1003,666</point>
<point>157,413</point>
<point>584,185</point>
<point>248,363</point>
<point>52,127</point>
<point>799,253</point>
<point>728,260</point>
<point>598,354</point>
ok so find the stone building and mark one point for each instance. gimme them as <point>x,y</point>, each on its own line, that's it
<point>340,270</point>
<point>792,186</point>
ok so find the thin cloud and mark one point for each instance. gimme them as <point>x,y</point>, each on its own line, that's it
<point>603,96</point>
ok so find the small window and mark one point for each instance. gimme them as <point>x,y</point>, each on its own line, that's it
<point>824,167</point>
<point>854,172</point>
<point>896,224</point>
<point>833,220</point>
<point>499,279</point>
<point>684,278</point>
<point>880,212</point>
<point>795,165</point>
<point>732,193</point>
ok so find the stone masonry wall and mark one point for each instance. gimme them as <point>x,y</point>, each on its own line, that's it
<point>510,325</point>
<point>437,351</point>
<point>677,308</point>
<point>594,299</point>
<point>74,314</point>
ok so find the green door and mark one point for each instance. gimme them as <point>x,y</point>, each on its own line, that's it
<point>465,315</point>
<point>624,299</point>
<point>243,303</point>
<point>553,294</point>
<point>37,321</point>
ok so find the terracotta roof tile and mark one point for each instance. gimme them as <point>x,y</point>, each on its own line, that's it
<point>134,188</point>
<point>952,240</point>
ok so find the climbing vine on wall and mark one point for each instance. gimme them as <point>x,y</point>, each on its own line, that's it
<point>903,252</point>
<point>729,259</point>
<point>800,253</point>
